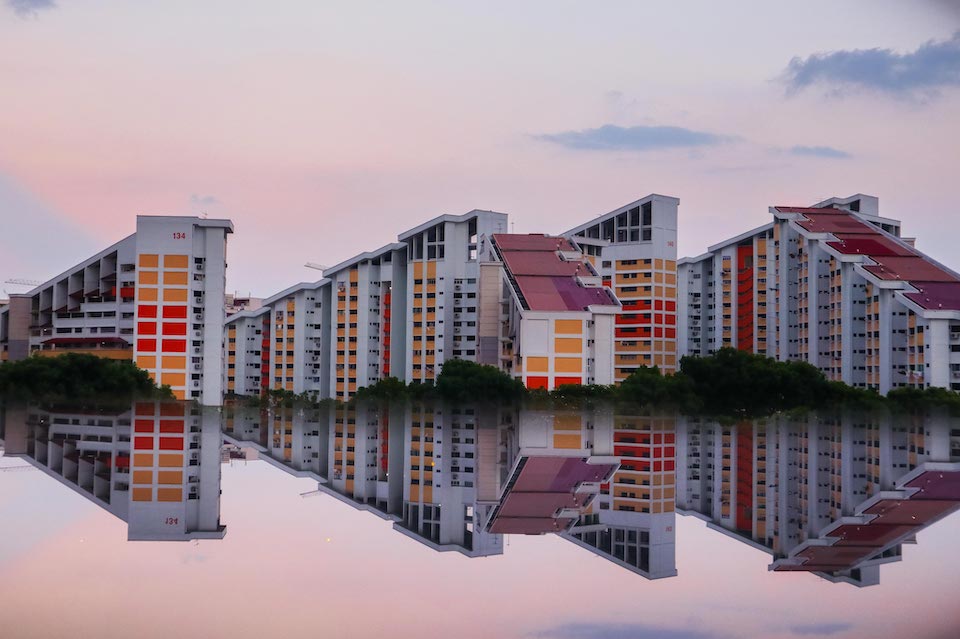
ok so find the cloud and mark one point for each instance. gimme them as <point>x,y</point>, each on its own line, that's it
<point>621,631</point>
<point>26,8</point>
<point>933,66</point>
<point>821,629</point>
<point>203,200</point>
<point>611,137</point>
<point>819,152</point>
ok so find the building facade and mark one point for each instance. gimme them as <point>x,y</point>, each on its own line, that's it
<point>834,285</point>
<point>155,297</point>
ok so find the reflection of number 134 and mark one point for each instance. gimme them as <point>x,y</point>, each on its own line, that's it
<point>179,236</point>
<point>171,521</point>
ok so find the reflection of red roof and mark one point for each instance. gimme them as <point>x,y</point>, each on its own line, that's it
<point>541,488</point>
<point>893,520</point>
<point>544,280</point>
<point>58,341</point>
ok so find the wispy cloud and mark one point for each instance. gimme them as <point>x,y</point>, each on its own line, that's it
<point>819,152</point>
<point>933,66</point>
<point>26,8</point>
<point>820,629</point>
<point>621,631</point>
<point>203,200</point>
<point>611,137</point>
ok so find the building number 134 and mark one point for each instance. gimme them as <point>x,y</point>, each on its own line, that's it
<point>179,236</point>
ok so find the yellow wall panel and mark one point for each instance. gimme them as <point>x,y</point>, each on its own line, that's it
<point>147,361</point>
<point>537,364</point>
<point>142,459</point>
<point>567,345</point>
<point>170,477</point>
<point>568,365</point>
<point>175,261</point>
<point>142,494</point>
<point>177,362</point>
<point>148,260</point>
<point>568,326</point>
<point>147,277</point>
<point>147,294</point>
<point>169,494</point>
<point>175,278</point>
<point>170,460</point>
<point>173,379</point>
<point>143,476</point>
<point>567,441</point>
<point>174,295</point>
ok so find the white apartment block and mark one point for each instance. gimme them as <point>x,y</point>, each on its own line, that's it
<point>634,249</point>
<point>833,285</point>
<point>155,297</point>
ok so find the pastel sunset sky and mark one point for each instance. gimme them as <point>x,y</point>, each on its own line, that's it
<point>323,129</point>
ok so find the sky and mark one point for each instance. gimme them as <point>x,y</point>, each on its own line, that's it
<point>318,567</point>
<point>325,129</point>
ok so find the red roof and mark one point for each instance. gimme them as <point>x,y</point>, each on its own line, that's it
<point>912,267</point>
<point>867,244</point>
<point>805,209</point>
<point>834,223</point>
<point>543,279</point>
<point>936,295</point>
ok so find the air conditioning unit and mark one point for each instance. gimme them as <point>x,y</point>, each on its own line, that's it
<point>456,330</point>
<point>197,333</point>
<point>457,287</point>
<point>197,350</point>
<point>199,267</point>
<point>198,316</point>
<point>198,367</point>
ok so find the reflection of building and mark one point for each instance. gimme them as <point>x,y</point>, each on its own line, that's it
<point>833,285</point>
<point>602,481</point>
<point>155,297</point>
<point>156,467</point>
<point>416,467</point>
<point>794,487</point>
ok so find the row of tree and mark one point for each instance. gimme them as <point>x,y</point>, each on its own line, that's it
<point>75,377</point>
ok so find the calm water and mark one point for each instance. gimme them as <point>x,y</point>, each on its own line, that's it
<point>407,521</point>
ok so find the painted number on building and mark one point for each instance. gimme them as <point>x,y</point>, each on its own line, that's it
<point>171,521</point>
<point>179,236</point>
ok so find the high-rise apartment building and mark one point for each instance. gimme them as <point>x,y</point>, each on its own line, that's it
<point>556,317</point>
<point>634,249</point>
<point>155,297</point>
<point>833,285</point>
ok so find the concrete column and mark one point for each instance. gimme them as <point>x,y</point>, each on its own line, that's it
<point>936,353</point>
<point>886,341</point>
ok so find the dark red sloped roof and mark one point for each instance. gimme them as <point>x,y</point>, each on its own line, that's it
<point>936,295</point>
<point>908,267</point>
<point>833,223</point>
<point>546,281</point>
<point>807,209</point>
<point>867,244</point>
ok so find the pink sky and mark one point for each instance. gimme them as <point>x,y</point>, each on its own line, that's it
<point>292,566</point>
<point>324,129</point>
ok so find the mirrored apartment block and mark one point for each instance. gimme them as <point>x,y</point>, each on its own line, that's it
<point>458,478</point>
<point>155,465</point>
<point>606,291</point>
<point>836,497</point>
<point>835,285</point>
<point>156,297</point>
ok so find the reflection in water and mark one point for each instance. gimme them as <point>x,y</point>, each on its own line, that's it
<point>833,496</point>
<point>836,497</point>
<point>156,466</point>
